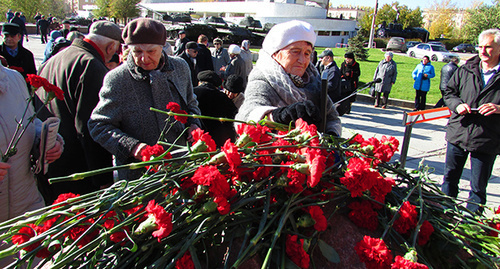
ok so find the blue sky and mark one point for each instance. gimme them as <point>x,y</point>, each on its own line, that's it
<point>410,3</point>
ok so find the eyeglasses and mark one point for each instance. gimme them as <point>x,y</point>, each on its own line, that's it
<point>217,44</point>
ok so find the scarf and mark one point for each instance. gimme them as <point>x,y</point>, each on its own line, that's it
<point>289,87</point>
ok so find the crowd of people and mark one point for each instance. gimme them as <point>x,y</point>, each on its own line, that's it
<point>112,76</point>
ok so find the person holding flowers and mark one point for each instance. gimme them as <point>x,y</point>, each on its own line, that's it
<point>18,189</point>
<point>122,122</point>
<point>284,85</point>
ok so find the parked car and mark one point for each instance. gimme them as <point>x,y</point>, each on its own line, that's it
<point>464,48</point>
<point>411,44</point>
<point>436,43</point>
<point>434,52</point>
<point>396,43</point>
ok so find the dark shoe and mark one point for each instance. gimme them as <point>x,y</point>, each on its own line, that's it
<point>384,106</point>
<point>415,109</point>
<point>376,106</point>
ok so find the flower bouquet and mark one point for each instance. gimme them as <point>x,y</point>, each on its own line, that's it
<point>267,200</point>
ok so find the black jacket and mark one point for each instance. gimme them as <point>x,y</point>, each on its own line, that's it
<point>473,132</point>
<point>334,89</point>
<point>215,103</point>
<point>351,72</point>
<point>24,59</point>
<point>192,68</point>
<point>204,59</point>
<point>446,72</point>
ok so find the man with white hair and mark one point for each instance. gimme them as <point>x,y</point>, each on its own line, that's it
<point>122,121</point>
<point>237,66</point>
<point>79,71</point>
<point>473,96</point>
<point>246,55</point>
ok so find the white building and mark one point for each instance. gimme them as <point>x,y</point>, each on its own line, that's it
<point>331,32</point>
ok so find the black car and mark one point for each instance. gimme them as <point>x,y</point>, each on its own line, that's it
<point>464,48</point>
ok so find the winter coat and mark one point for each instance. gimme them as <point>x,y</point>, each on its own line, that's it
<point>237,67</point>
<point>24,59</point>
<point>122,118</point>
<point>387,71</point>
<point>270,87</point>
<point>180,46</point>
<point>192,68</point>
<point>203,59</point>
<point>473,132</point>
<point>220,58</point>
<point>246,55</point>
<point>351,73</point>
<point>18,190</point>
<point>446,72</point>
<point>212,102</point>
<point>423,83</point>
<point>334,86</point>
<point>79,71</point>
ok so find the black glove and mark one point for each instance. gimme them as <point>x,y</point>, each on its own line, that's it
<point>305,110</point>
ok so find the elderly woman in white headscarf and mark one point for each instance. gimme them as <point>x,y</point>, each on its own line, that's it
<point>284,85</point>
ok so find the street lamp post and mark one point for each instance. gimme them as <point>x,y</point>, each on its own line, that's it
<point>372,29</point>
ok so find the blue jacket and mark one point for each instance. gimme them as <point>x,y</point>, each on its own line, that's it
<point>418,75</point>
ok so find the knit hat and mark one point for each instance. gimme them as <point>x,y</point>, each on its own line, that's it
<point>107,29</point>
<point>234,84</point>
<point>349,55</point>
<point>210,77</point>
<point>234,49</point>
<point>144,31</point>
<point>55,34</point>
<point>284,34</point>
<point>326,53</point>
<point>388,54</point>
<point>11,29</point>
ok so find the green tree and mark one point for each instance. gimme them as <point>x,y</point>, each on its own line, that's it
<point>481,18</point>
<point>58,8</point>
<point>103,8</point>
<point>356,47</point>
<point>124,9</point>
<point>388,13</point>
<point>441,19</point>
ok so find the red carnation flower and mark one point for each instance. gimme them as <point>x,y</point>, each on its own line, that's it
<point>176,108</point>
<point>217,183</point>
<point>307,131</point>
<point>319,217</point>
<point>24,235</point>
<point>63,197</point>
<point>52,89</point>
<point>316,160</point>
<point>185,262</point>
<point>295,251</point>
<point>222,205</point>
<point>36,81</point>
<point>232,156</point>
<point>162,219</point>
<point>407,218</point>
<point>359,176</point>
<point>254,133</point>
<point>402,263</point>
<point>203,141</point>
<point>295,178</point>
<point>381,187</point>
<point>425,233</point>
<point>363,215</point>
<point>374,253</point>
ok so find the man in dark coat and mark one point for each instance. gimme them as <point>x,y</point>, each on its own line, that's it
<point>236,66</point>
<point>79,71</point>
<point>16,55</point>
<point>446,72</point>
<point>37,17</point>
<point>213,102</point>
<point>22,25</point>
<point>190,55</point>
<point>473,96</point>
<point>330,66</point>
<point>180,43</point>
<point>43,24</point>
<point>204,58</point>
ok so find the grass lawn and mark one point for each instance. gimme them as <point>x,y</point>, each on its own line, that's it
<point>403,88</point>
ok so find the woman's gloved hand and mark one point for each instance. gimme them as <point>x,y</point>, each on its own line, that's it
<point>305,110</point>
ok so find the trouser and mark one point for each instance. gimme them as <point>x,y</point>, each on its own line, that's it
<point>420,99</point>
<point>384,100</point>
<point>43,35</point>
<point>481,168</point>
<point>440,103</point>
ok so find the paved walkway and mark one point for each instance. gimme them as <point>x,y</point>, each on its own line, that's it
<point>427,142</point>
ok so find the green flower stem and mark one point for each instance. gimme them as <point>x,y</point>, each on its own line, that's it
<point>389,225</point>
<point>196,116</point>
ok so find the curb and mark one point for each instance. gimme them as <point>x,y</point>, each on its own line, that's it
<point>366,98</point>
